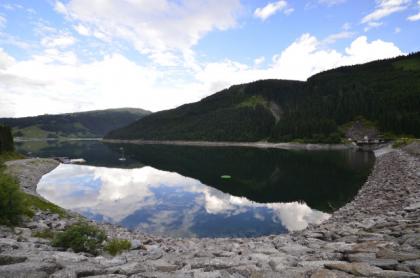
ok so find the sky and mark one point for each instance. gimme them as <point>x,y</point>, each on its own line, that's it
<point>59,56</point>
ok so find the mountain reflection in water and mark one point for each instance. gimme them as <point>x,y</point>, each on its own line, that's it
<point>167,203</point>
<point>178,190</point>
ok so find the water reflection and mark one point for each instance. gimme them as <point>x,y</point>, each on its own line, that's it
<point>325,180</point>
<point>168,203</point>
<point>178,190</point>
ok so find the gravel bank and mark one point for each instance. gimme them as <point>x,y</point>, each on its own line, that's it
<point>376,235</point>
<point>30,171</point>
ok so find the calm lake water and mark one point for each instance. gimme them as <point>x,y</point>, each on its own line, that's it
<point>178,190</point>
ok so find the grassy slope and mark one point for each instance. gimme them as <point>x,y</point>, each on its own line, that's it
<point>76,125</point>
<point>31,202</point>
<point>384,92</point>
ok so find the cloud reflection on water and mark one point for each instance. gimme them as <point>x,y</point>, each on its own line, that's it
<point>163,202</point>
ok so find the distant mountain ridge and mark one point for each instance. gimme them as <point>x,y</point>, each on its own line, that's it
<point>74,125</point>
<point>386,93</point>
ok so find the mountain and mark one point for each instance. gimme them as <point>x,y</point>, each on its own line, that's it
<point>385,93</point>
<point>74,125</point>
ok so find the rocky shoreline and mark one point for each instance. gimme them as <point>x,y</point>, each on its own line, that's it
<point>375,235</point>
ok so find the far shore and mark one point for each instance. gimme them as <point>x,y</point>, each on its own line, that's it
<point>263,145</point>
<point>39,139</point>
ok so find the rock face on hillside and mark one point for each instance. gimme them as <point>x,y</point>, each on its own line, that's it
<point>357,131</point>
<point>376,235</point>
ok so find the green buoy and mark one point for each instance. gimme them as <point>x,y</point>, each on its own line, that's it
<point>226,177</point>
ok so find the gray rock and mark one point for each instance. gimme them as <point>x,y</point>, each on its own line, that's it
<point>64,258</point>
<point>7,244</point>
<point>338,246</point>
<point>279,263</point>
<point>155,252</point>
<point>323,273</point>
<point>28,269</point>
<point>364,269</point>
<point>105,262</point>
<point>5,259</point>
<point>83,269</point>
<point>136,245</point>
<point>316,264</point>
<point>413,207</point>
<point>365,247</point>
<point>385,253</point>
<point>212,264</point>
<point>128,269</point>
<point>413,266</point>
<point>107,276</point>
<point>360,269</point>
<point>383,263</point>
<point>267,250</point>
<point>64,273</point>
<point>294,249</point>
<point>163,266</point>
<point>395,274</point>
<point>361,257</point>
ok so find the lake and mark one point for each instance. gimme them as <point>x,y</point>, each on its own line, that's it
<point>179,190</point>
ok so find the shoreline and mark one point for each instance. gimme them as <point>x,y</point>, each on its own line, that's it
<point>375,235</point>
<point>30,171</point>
<point>262,145</point>
<point>20,139</point>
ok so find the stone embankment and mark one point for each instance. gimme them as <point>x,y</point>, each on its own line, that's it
<point>375,235</point>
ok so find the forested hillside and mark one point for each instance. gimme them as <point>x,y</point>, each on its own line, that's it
<point>6,139</point>
<point>386,92</point>
<point>235,114</point>
<point>75,125</point>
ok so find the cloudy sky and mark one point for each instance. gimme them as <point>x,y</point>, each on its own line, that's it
<point>78,55</point>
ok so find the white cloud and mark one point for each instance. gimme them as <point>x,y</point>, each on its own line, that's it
<point>12,7</point>
<point>289,11</point>
<point>331,2</point>
<point>61,41</point>
<point>259,60</point>
<point>5,60</point>
<point>385,8</point>
<point>272,8</point>
<point>7,39</point>
<point>60,7</point>
<point>338,36</point>
<point>82,30</point>
<point>346,26</point>
<point>2,22</point>
<point>59,81</point>
<point>157,28</point>
<point>415,17</point>
<point>397,30</point>
<point>373,24</point>
<point>306,57</point>
<point>302,59</point>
